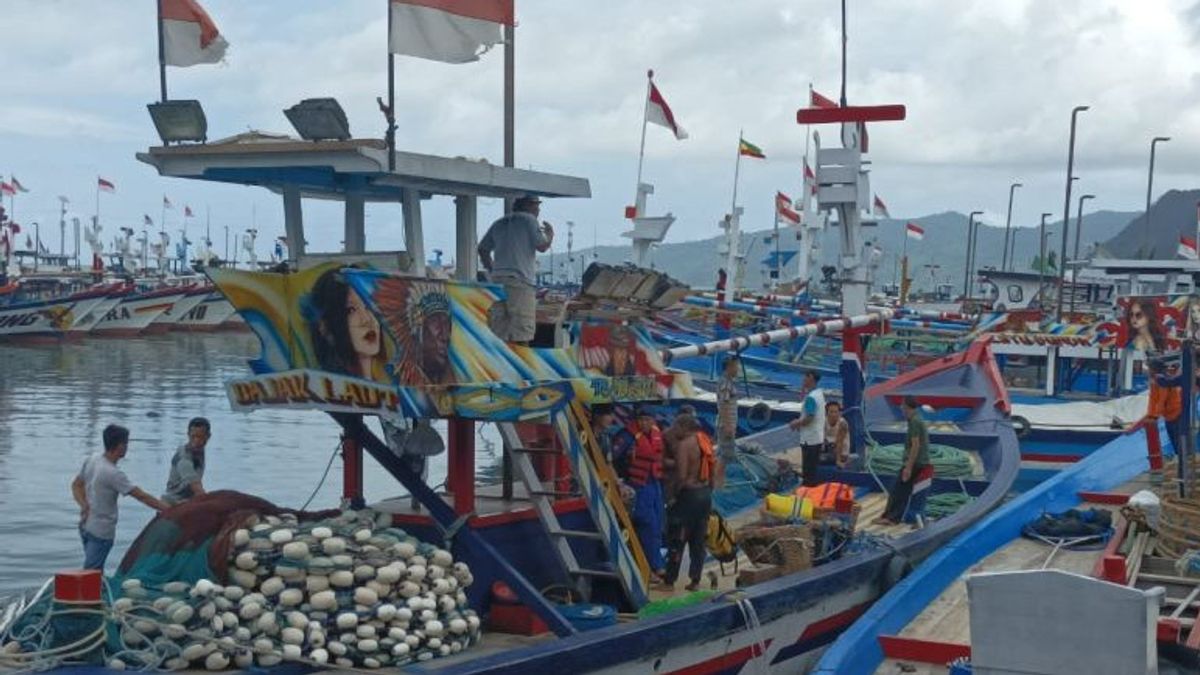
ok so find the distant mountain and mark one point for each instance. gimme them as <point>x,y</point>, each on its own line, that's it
<point>1174,214</point>
<point>696,262</point>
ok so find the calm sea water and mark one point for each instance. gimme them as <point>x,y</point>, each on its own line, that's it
<point>55,401</point>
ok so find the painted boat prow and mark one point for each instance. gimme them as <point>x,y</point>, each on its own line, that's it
<point>858,649</point>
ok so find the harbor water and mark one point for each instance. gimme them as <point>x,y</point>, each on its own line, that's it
<point>56,400</point>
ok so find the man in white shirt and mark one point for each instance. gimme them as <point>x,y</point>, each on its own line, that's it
<point>811,425</point>
<point>96,489</point>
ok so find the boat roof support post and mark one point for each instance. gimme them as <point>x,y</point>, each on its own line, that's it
<point>479,550</point>
<point>460,478</point>
<point>293,220</point>
<point>414,234</point>
<point>466,224</point>
<point>355,239</point>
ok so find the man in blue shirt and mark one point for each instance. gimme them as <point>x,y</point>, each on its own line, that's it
<point>811,427</point>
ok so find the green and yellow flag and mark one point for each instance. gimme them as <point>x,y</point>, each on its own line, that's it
<point>749,149</point>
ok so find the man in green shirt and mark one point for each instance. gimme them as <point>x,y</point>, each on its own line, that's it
<point>916,460</point>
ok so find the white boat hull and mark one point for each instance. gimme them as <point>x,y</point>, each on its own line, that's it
<point>134,314</point>
<point>209,314</point>
<point>51,319</point>
<point>87,321</point>
<point>170,317</point>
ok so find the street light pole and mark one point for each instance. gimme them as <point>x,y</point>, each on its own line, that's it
<point>1062,253</point>
<point>1042,261</point>
<point>1078,230</point>
<point>1004,261</point>
<point>973,241</point>
<point>1149,187</point>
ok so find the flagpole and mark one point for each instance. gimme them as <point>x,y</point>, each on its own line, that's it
<point>642,148</point>
<point>843,53</point>
<point>734,238</point>
<point>510,125</point>
<point>778,271</point>
<point>737,166</point>
<point>162,58</point>
<point>391,111</point>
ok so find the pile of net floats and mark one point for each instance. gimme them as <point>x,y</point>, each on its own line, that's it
<point>348,591</point>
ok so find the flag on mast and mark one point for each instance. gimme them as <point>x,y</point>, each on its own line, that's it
<point>914,231</point>
<point>658,112</point>
<point>6,189</point>
<point>17,185</point>
<point>105,185</point>
<point>880,209</point>
<point>187,211</point>
<point>189,35</point>
<point>1187,248</point>
<point>816,100</point>
<point>167,203</point>
<point>450,31</point>
<point>783,207</point>
<point>146,219</point>
<point>749,149</point>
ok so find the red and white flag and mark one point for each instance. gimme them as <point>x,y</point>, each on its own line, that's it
<point>450,31</point>
<point>17,185</point>
<point>816,100</point>
<point>6,189</point>
<point>658,112</point>
<point>1187,248</point>
<point>105,185</point>
<point>914,231</point>
<point>880,209</point>
<point>189,35</point>
<point>187,211</point>
<point>783,207</point>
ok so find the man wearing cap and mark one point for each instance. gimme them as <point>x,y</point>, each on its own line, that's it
<point>516,239</point>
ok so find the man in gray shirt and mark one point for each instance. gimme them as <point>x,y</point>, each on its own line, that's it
<point>96,489</point>
<point>187,466</point>
<point>516,239</point>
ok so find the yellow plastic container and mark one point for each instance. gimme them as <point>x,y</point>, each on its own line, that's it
<point>789,506</point>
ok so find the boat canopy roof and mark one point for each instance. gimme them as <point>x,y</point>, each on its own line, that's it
<point>332,169</point>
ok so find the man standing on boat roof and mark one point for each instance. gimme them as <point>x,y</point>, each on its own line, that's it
<point>186,479</point>
<point>516,239</point>
<point>811,425</point>
<point>96,488</point>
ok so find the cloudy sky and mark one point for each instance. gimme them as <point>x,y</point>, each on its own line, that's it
<point>989,88</point>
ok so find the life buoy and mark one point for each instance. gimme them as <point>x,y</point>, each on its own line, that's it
<point>1020,425</point>
<point>758,416</point>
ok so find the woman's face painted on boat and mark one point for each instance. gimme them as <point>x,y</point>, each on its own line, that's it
<point>1194,312</point>
<point>364,329</point>
<point>1137,317</point>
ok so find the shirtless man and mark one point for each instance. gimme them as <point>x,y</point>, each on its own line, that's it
<point>697,472</point>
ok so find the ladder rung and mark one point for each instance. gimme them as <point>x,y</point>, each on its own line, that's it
<point>538,451</point>
<point>603,574</point>
<point>553,493</point>
<point>579,534</point>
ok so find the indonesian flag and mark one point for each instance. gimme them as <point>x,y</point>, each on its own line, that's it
<point>189,35</point>
<point>783,207</point>
<point>816,100</point>
<point>187,211</point>
<point>880,209</point>
<point>914,231</point>
<point>450,31</point>
<point>6,189</point>
<point>167,203</point>
<point>105,185</point>
<point>810,178</point>
<point>1187,248</point>
<point>658,112</point>
<point>17,185</point>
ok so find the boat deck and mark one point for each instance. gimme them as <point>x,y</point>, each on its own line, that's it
<point>948,619</point>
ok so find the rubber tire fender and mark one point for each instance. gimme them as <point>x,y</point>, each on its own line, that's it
<point>758,417</point>
<point>1020,425</point>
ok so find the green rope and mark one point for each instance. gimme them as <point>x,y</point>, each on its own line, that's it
<point>946,504</point>
<point>948,462</point>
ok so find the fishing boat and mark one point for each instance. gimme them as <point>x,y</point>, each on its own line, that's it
<point>27,317</point>
<point>211,313</point>
<point>192,297</point>
<point>85,323</point>
<point>134,313</point>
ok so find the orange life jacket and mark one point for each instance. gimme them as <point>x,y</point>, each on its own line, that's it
<point>707,457</point>
<point>826,495</point>
<point>646,462</point>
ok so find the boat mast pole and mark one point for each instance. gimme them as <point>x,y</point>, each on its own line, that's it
<point>637,192</point>
<point>510,106</point>
<point>731,232</point>
<point>843,100</point>
<point>162,59</point>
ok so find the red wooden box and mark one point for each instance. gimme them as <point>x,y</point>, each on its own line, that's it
<point>78,586</point>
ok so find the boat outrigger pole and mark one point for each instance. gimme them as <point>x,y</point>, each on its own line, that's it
<point>737,344</point>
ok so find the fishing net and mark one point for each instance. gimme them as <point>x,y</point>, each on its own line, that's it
<point>947,461</point>
<point>748,477</point>
<point>192,541</point>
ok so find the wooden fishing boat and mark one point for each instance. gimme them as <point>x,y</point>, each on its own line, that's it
<point>50,319</point>
<point>136,312</point>
<point>209,314</point>
<point>193,295</point>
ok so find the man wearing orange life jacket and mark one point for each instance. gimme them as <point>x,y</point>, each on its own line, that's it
<point>697,472</point>
<point>645,474</point>
<point>1166,402</point>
